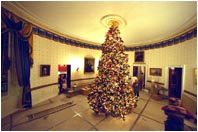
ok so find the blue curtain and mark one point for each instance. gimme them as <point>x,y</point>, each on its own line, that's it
<point>23,65</point>
<point>4,51</point>
<point>20,35</point>
<point>6,63</point>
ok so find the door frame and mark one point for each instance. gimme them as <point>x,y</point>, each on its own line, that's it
<point>183,76</point>
<point>145,74</point>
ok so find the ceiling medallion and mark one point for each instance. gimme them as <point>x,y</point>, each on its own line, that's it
<point>113,20</point>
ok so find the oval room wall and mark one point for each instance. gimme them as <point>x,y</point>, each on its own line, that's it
<point>58,53</point>
<point>47,51</point>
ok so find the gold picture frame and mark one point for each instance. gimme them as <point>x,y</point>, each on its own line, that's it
<point>89,65</point>
<point>139,56</point>
<point>44,70</point>
<point>156,71</point>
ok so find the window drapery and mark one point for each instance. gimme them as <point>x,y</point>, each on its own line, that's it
<point>21,42</point>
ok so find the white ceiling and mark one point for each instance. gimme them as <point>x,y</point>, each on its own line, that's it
<point>146,21</point>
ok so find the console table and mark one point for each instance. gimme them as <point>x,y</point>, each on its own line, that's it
<point>175,117</point>
<point>79,89</point>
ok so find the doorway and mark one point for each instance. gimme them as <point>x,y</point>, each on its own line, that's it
<point>139,72</point>
<point>175,82</point>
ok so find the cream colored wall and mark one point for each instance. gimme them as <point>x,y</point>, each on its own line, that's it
<point>50,52</point>
<point>183,54</point>
<point>190,103</point>
<point>47,51</point>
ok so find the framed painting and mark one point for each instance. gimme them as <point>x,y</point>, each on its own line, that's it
<point>44,70</point>
<point>89,65</point>
<point>139,56</point>
<point>156,71</point>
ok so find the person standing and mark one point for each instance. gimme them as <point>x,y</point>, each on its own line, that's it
<point>141,80</point>
<point>136,88</point>
<point>64,85</point>
<point>60,82</point>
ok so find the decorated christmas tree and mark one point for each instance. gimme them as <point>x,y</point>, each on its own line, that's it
<point>112,95</point>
